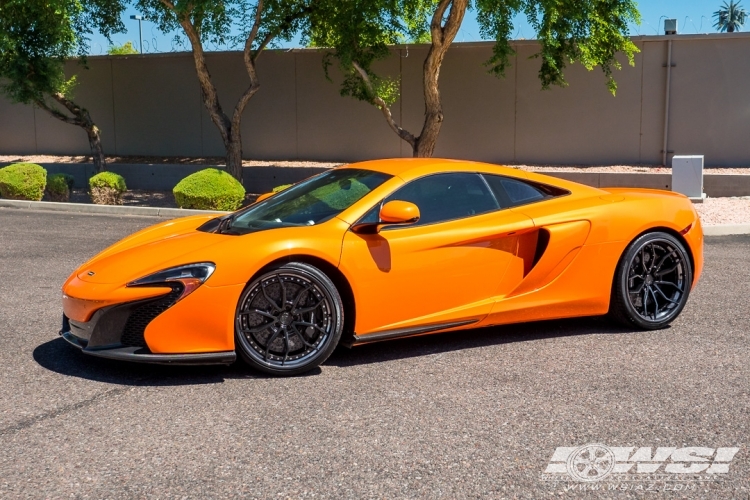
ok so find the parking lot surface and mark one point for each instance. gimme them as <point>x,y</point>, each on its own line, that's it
<point>475,414</point>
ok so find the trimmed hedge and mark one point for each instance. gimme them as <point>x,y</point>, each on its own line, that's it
<point>69,180</point>
<point>209,189</point>
<point>107,188</point>
<point>23,181</point>
<point>58,188</point>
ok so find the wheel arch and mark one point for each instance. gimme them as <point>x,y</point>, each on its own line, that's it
<point>338,278</point>
<point>656,229</point>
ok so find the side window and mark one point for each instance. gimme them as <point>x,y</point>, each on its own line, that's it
<point>513,192</point>
<point>444,197</point>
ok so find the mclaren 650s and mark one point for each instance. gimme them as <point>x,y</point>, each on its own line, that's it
<point>378,250</point>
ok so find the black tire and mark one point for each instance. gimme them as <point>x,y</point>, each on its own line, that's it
<point>652,282</point>
<point>288,320</point>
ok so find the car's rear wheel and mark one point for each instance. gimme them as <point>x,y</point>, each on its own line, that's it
<point>652,282</point>
<point>289,320</point>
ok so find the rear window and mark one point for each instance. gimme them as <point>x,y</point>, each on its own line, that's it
<point>512,192</point>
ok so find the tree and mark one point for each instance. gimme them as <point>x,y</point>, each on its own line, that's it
<point>591,32</point>
<point>730,17</point>
<point>36,38</point>
<point>125,49</point>
<point>213,21</point>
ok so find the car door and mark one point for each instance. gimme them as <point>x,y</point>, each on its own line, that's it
<point>560,237</point>
<point>443,270</point>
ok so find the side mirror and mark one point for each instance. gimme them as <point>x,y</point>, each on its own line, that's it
<point>399,212</point>
<point>393,212</point>
<point>264,196</point>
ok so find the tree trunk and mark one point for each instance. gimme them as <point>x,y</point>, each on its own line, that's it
<point>209,94</point>
<point>82,118</point>
<point>97,153</point>
<point>443,31</point>
<point>230,130</point>
<point>234,154</point>
<point>424,146</point>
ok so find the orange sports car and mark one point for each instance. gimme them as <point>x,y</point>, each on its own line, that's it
<point>379,250</point>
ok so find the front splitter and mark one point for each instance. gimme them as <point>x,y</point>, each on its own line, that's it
<point>131,354</point>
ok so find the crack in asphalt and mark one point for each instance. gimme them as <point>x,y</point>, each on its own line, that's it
<point>31,421</point>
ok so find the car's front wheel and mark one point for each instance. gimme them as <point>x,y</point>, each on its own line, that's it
<point>289,320</point>
<point>652,282</point>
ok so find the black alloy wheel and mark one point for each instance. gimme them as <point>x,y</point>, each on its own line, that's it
<point>289,320</point>
<point>652,282</point>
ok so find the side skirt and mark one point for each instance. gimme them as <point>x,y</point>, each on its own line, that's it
<point>406,332</point>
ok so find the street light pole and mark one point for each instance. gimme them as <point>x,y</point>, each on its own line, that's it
<point>139,18</point>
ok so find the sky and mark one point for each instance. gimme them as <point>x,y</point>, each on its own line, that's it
<point>693,16</point>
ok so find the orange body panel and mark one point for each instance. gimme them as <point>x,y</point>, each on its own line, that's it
<point>82,299</point>
<point>207,328</point>
<point>456,269</point>
<point>551,259</point>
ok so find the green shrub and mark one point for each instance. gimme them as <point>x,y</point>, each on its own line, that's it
<point>125,49</point>
<point>57,188</point>
<point>23,181</point>
<point>209,189</point>
<point>281,188</point>
<point>107,188</point>
<point>69,180</point>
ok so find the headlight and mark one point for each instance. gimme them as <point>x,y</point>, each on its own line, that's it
<point>191,276</point>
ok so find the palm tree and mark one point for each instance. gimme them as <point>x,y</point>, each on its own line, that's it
<point>730,17</point>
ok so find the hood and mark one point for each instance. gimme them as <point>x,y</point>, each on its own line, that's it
<point>148,251</point>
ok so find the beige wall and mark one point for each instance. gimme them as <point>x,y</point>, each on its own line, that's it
<point>151,105</point>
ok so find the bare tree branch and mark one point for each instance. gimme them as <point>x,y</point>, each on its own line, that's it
<point>454,21</point>
<point>56,113</point>
<point>436,26</point>
<point>380,103</point>
<point>210,95</point>
<point>253,31</point>
<point>272,34</point>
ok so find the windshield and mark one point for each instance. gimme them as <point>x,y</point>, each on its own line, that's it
<point>310,202</point>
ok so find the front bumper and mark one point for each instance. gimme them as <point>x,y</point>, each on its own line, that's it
<point>118,332</point>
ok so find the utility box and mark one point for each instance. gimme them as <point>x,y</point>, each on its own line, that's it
<point>687,176</point>
<point>670,26</point>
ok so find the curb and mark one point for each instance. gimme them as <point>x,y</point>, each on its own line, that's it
<point>86,208</point>
<point>726,229</point>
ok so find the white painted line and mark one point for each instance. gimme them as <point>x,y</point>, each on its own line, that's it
<point>88,208</point>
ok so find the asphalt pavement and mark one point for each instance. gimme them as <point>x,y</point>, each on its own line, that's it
<point>474,414</point>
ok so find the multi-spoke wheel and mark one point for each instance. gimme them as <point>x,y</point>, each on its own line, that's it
<point>652,281</point>
<point>289,320</point>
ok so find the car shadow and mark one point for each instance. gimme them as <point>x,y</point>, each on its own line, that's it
<point>59,357</point>
<point>423,345</point>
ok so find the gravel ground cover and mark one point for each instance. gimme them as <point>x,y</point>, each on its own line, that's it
<point>156,160</point>
<point>724,210</point>
<point>475,414</point>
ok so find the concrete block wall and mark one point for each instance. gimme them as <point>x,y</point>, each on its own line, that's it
<point>151,105</point>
